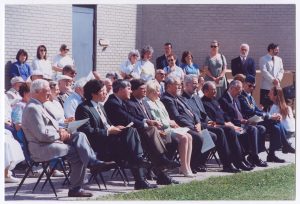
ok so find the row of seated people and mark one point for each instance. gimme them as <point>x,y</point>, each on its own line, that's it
<point>155,127</point>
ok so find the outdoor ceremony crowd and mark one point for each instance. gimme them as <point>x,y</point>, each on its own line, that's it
<point>150,118</point>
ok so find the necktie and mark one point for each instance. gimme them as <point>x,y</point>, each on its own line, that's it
<point>185,108</point>
<point>52,119</point>
<point>237,112</point>
<point>103,118</point>
<point>144,109</point>
<point>243,60</point>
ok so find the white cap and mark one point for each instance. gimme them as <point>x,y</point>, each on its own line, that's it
<point>61,77</point>
<point>17,79</point>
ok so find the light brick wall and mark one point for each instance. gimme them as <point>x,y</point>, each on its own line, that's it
<point>28,26</point>
<point>188,27</point>
<point>119,24</point>
<point>192,27</point>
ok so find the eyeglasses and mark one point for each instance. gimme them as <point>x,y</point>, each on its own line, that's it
<point>170,60</point>
<point>213,46</point>
<point>251,86</point>
<point>163,74</point>
<point>42,50</point>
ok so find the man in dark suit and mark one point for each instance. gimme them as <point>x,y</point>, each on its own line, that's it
<point>120,111</point>
<point>111,142</point>
<point>243,64</point>
<point>190,88</point>
<point>182,114</point>
<point>253,141</point>
<point>271,122</point>
<point>222,120</point>
<point>162,61</point>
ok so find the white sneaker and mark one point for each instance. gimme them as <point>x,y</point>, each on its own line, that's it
<point>11,179</point>
<point>57,173</point>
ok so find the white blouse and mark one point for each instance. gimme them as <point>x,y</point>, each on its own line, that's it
<point>289,122</point>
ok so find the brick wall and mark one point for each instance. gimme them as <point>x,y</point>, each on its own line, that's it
<point>188,27</point>
<point>119,24</point>
<point>27,26</point>
<point>192,27</point>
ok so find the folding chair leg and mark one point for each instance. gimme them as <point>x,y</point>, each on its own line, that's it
<point>122,175</point>
<point>51,184</point>
<point>101,176</point>
<point>22,181</point>
<point>40,177</point>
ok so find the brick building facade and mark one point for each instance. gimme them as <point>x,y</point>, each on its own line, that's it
<point>188,27</point>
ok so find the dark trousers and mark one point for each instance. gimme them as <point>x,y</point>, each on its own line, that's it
<point>221,145</point>
<point>124,147</point>
<point>265,100</point>
<point>233,143</point>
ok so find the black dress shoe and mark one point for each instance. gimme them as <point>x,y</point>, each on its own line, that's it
<point>100,166</point>
<point>79,193</point>
<point>230,169</point>
<point>288,149</point>
<point>273,158</point>
<point>165,163</point>
<point>258,162</point>
<point>143,163</point>
<point>143,184</point>
<point>150,175</point>
<point>243,166</point>
<point>164,179</point>
<point>248,163</point>
<point>201,168</point>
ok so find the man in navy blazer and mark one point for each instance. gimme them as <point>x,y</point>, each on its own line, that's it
<point>119,111</point>
<point>162,61</point>
<point>190,88</point>
<point>222,120</point>
<point>253,141</point>
<point>182,114</point>
<point>243,64</point>
<point>111,142</point>
<point>271,122</point>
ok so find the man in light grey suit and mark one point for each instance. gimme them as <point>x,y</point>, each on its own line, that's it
<point>272,71</point>
<point>46,140</point>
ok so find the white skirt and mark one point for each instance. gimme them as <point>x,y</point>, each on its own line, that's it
<point>13,151</point>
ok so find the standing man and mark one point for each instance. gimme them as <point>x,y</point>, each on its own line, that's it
<point>271,67</point>
<point>46,140</point>
<point>160,76</point>
<point>61,60</point>
<point>162,61</point>
<point>243,64</point>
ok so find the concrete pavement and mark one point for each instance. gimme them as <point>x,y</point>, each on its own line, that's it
<point>116,185</point>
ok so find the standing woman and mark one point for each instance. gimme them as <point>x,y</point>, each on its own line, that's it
<point>41,62</point>
<point>20,67</point>
<point>215,67</point>
<point>187,63</point>
<point>144,67</point>
<point>127,67</point>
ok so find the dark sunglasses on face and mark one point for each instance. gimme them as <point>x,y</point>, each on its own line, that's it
<point>251,86</point>
<point>163,74</point>
<point>170,60</point>
<point>213,46</point>
<point>42,50</point>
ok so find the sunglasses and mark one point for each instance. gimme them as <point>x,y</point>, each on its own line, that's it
<point>251,86</point>
<point>170,60</point>
<point>42,50</point>
<point>162,74</point>
<point>213,46</point>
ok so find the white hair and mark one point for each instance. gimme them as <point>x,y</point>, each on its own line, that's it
<point>134,52</point>
<point>152,85</point>
<point>189,78</point>
<point>80,83</point>
<point>38,85</point>
<point>245,45</point>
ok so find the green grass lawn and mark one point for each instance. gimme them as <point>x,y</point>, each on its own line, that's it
<point>271,184</point>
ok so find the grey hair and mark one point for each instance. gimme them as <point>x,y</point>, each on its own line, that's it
<point>120,84</point>
<point>171,79</point>
<point>189,78</point>
<point>38,85</point>
<point>145,49</point>
<point>152,86</point>
<point>207,84</point>
<point>133,52</point>
<point>245,45</point>
<point>80,83</point>
<point>106,80</point>
<point>235,83</point>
